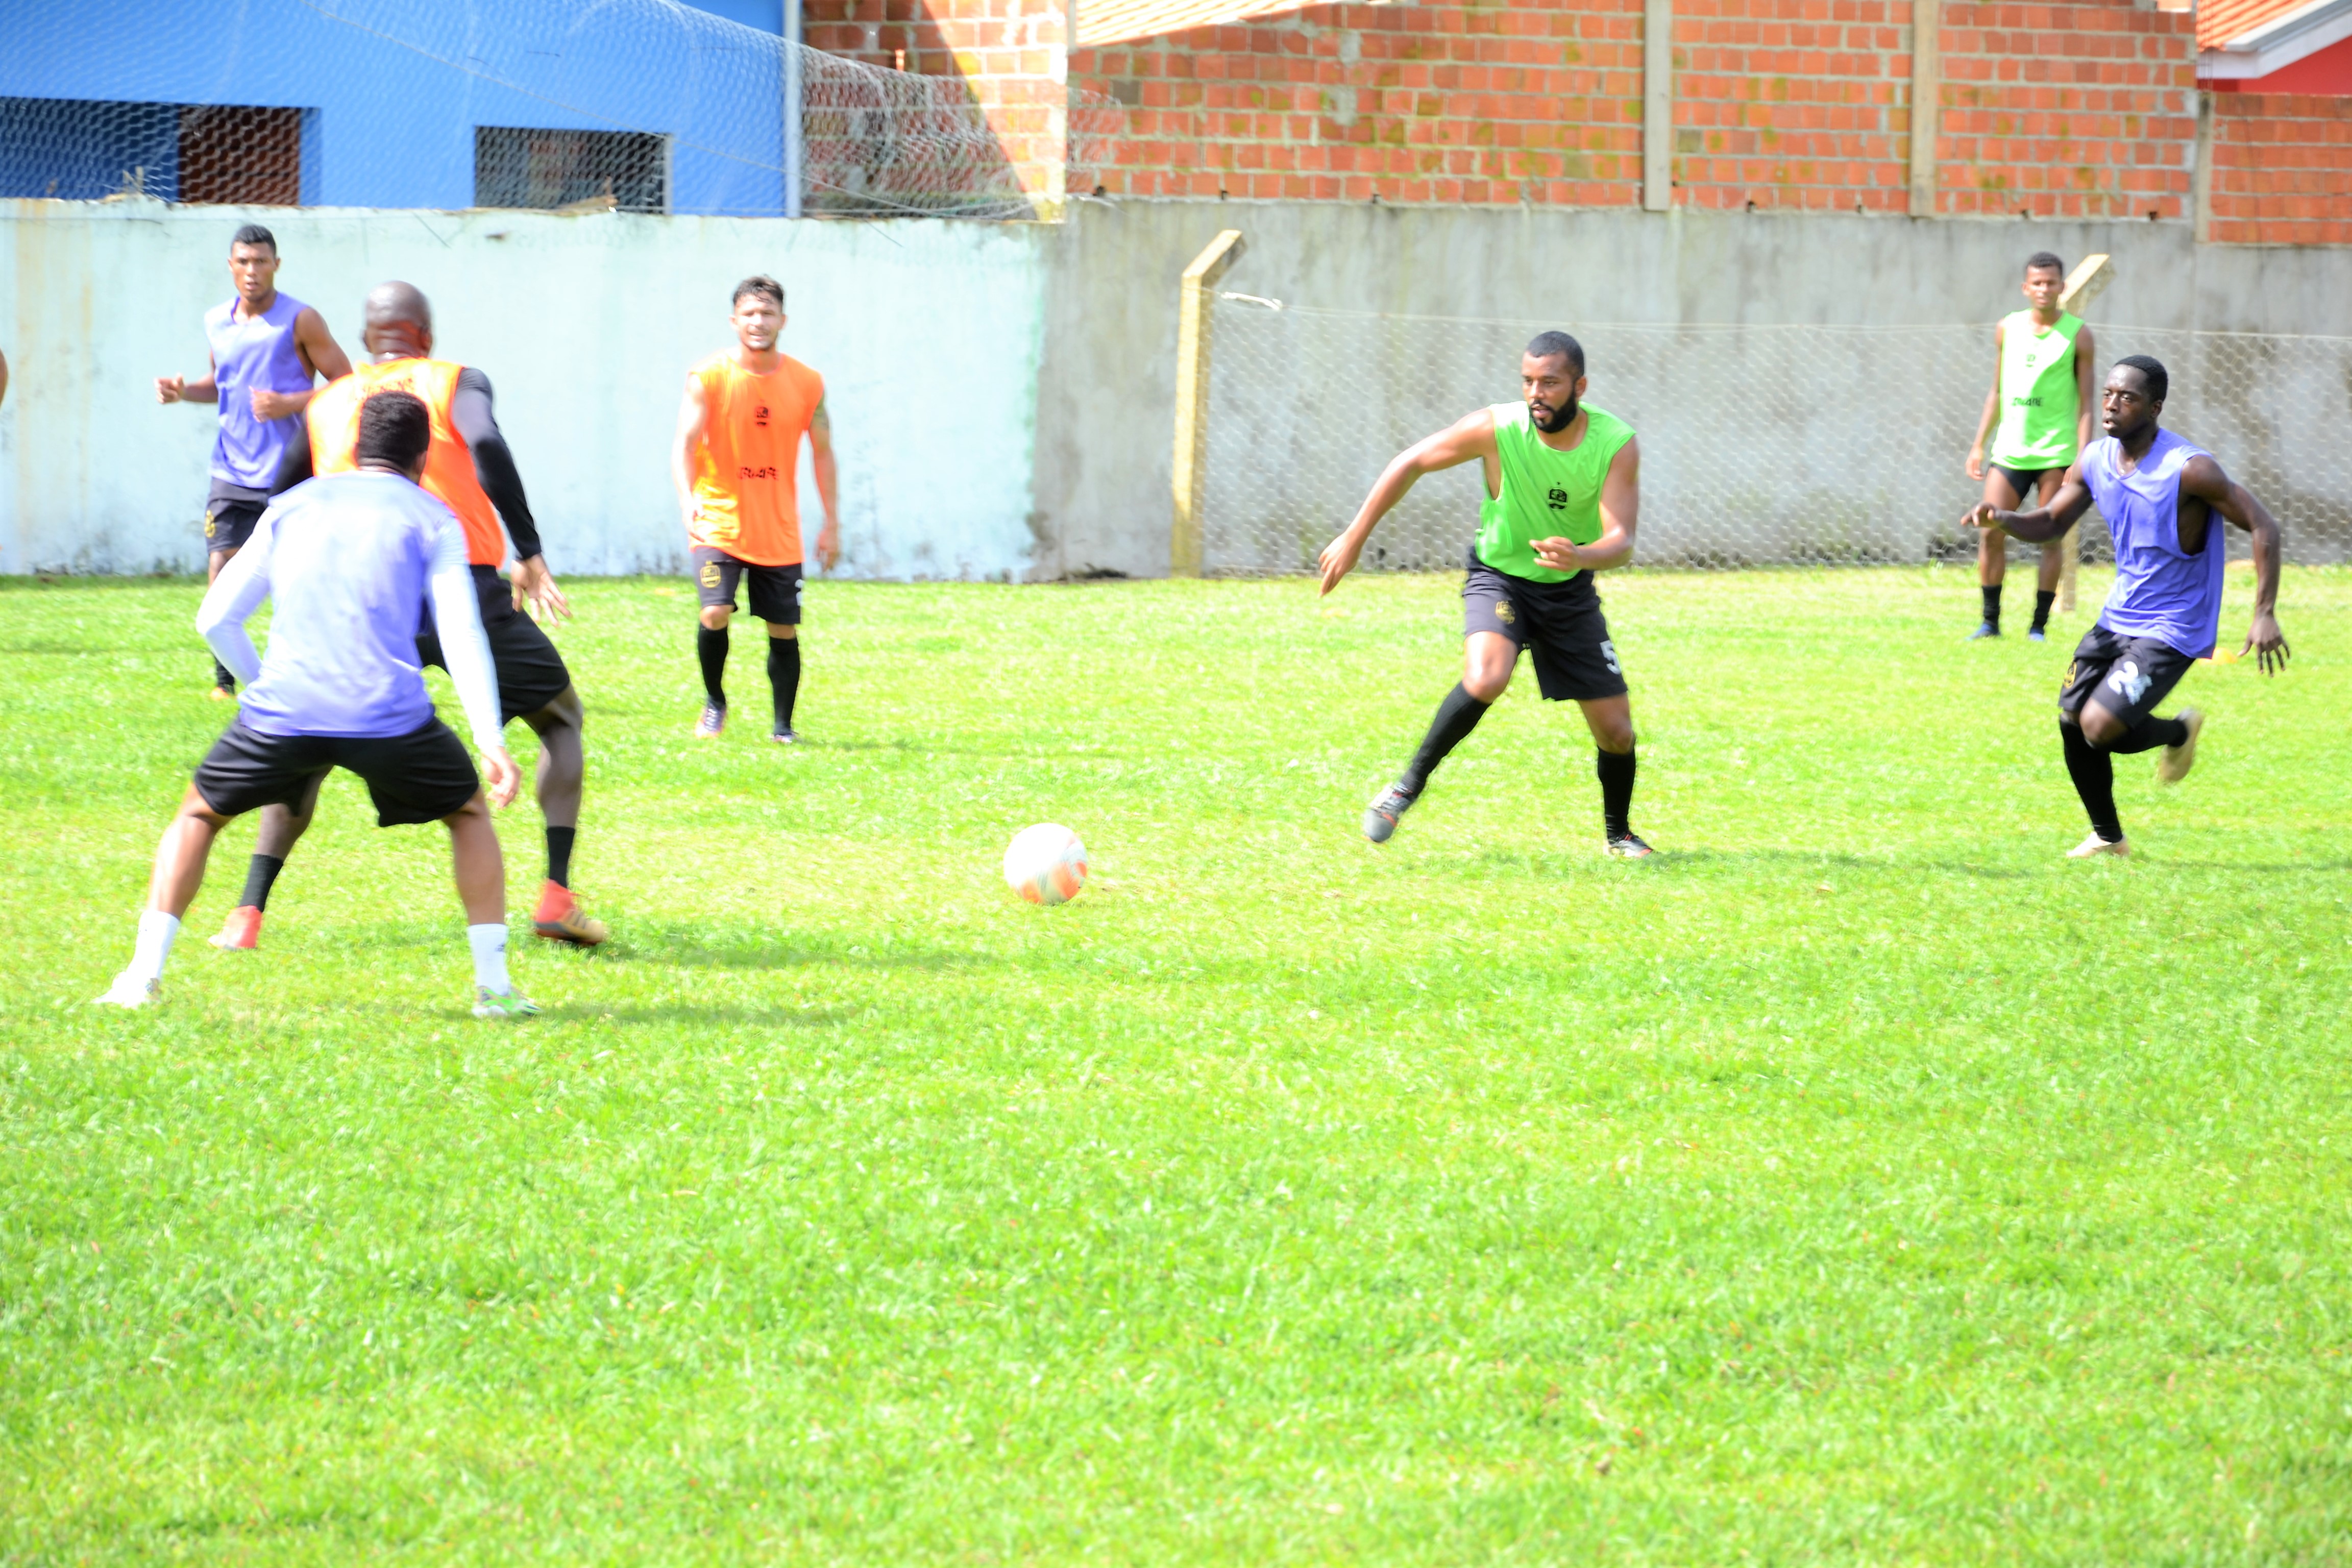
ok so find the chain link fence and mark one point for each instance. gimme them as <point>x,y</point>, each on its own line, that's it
<point>633,105</point>
<point>1761,446</point>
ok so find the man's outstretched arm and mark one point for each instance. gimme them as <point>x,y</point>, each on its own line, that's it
<point>1469,438</point>
<point>2043,522</point>
<point>2203,477</point>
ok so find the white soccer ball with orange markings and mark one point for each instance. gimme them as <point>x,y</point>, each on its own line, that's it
<point>1045,863</point>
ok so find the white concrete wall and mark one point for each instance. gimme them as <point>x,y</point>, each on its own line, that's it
<point>928,334</point>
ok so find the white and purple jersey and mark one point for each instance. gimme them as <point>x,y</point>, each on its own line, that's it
<point>2159,591</point>
<point>251,351</point>
<point>350,560</point>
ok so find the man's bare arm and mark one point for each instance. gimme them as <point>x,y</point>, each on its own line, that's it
<point>2042,524</point>
<point>2086,385</point>
<point>180,389</point>
<point>828,539</point>
<point>2203,477</point>
<point>1468,439</point>
<point>1621,514</point>
<point>693,417</point>
<point>320,354</point>
<point>1992,412</point>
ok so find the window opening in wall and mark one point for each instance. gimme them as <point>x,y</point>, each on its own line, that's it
<point>519,166</point>
<point>86,150</point>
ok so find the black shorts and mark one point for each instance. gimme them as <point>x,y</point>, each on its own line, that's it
<point>2126,676</point>
<point>775,590</point>
<point>1560,624</point>
<point>2022,480</point>
<point>230,512</point>
<point>421,777</point>
<point>530,672</point>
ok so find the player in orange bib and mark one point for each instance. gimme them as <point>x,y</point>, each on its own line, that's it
<point>734,463</point>
<point>471,468</point>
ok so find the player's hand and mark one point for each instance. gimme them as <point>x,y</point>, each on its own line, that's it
<point>1339,558</point>
<point>828,546</point>
<point>171,388</point>
<point>1981,515</point>
<point>1558,554</point>
<point>1976,463</point>
<point>535,591</point>
<point>2266,643</point>
<point>268,405</point>
<point>504,777</point>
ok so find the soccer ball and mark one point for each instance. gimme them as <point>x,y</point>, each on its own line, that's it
<point>1045,863</point>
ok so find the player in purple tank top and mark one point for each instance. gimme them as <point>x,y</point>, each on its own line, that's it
<point>266,349</point>
<point>2159,495</point>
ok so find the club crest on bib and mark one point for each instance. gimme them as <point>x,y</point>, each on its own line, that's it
<point>760,416</point>
<point>1556,498</point>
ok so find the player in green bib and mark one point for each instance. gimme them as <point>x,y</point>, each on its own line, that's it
<point>2038,416</point>
<point>1563,495</point>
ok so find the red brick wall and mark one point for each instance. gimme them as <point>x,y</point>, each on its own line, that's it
<point>2281,169</point>
<point>2084,110</point>
<point>1006,52</point>
<point>1793,104</point>
<point>1453,103</point>
<point>2062,110</point>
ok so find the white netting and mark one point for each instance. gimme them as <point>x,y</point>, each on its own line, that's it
<point>1760,445</point>
<point>641,105</point>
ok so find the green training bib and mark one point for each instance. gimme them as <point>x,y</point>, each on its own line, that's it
<point>1545,494</point>
<point>2040,403</point>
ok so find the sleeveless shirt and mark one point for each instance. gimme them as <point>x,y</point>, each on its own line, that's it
<point>2041,402</point>
<point>249,353</point>
<point>1545,493</point>
<point>334,419</point>
<point>2159,592</point>
<point>747,467</point>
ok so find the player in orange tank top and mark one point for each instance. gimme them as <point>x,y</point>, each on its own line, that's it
<point>735,463</point>
<point>469,468</point>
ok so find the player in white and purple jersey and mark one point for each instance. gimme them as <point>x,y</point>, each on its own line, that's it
<point>2159,496</point>
<point>266,349</point>
<point>349,561</point>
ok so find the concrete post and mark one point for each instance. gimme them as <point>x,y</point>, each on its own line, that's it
<point>1193,301</point>
<point>792,128</point>
<point>1657,105</point>
<point>1926,84</point>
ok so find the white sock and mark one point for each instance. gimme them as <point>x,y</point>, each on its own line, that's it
<point>490,945</point>
<point>156,930</point>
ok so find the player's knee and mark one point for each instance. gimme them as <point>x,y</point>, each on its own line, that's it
<point>782,633</point>
<point>715,616</point>
<point>2101,728</point>
<point>1616,739</point>
<point>1486,685</point>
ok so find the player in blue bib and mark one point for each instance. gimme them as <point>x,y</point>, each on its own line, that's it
<point>266,349</point>
<point>2159,495</point>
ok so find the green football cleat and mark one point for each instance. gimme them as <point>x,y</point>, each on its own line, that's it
<point>489,1004</point>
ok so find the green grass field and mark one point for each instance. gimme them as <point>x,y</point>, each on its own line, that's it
<point>1857,1180</point>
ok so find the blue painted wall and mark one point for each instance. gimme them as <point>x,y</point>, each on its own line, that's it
<point>397,87</point>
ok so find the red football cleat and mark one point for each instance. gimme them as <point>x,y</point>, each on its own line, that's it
<point>242,931</point>
<point>558,918</point>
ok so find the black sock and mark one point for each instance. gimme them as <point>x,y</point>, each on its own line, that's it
<point>1457,717</point>
<point>785,678</point>
<point>2093,773</point>
<point>559,854</point>
<point>2147,735</point>
<point>711,645</point>
<point>1991,593</point>
<point>2041,603</point>
<point>261,872</point>
<point>1616,770</point>
<point>222,677</point>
